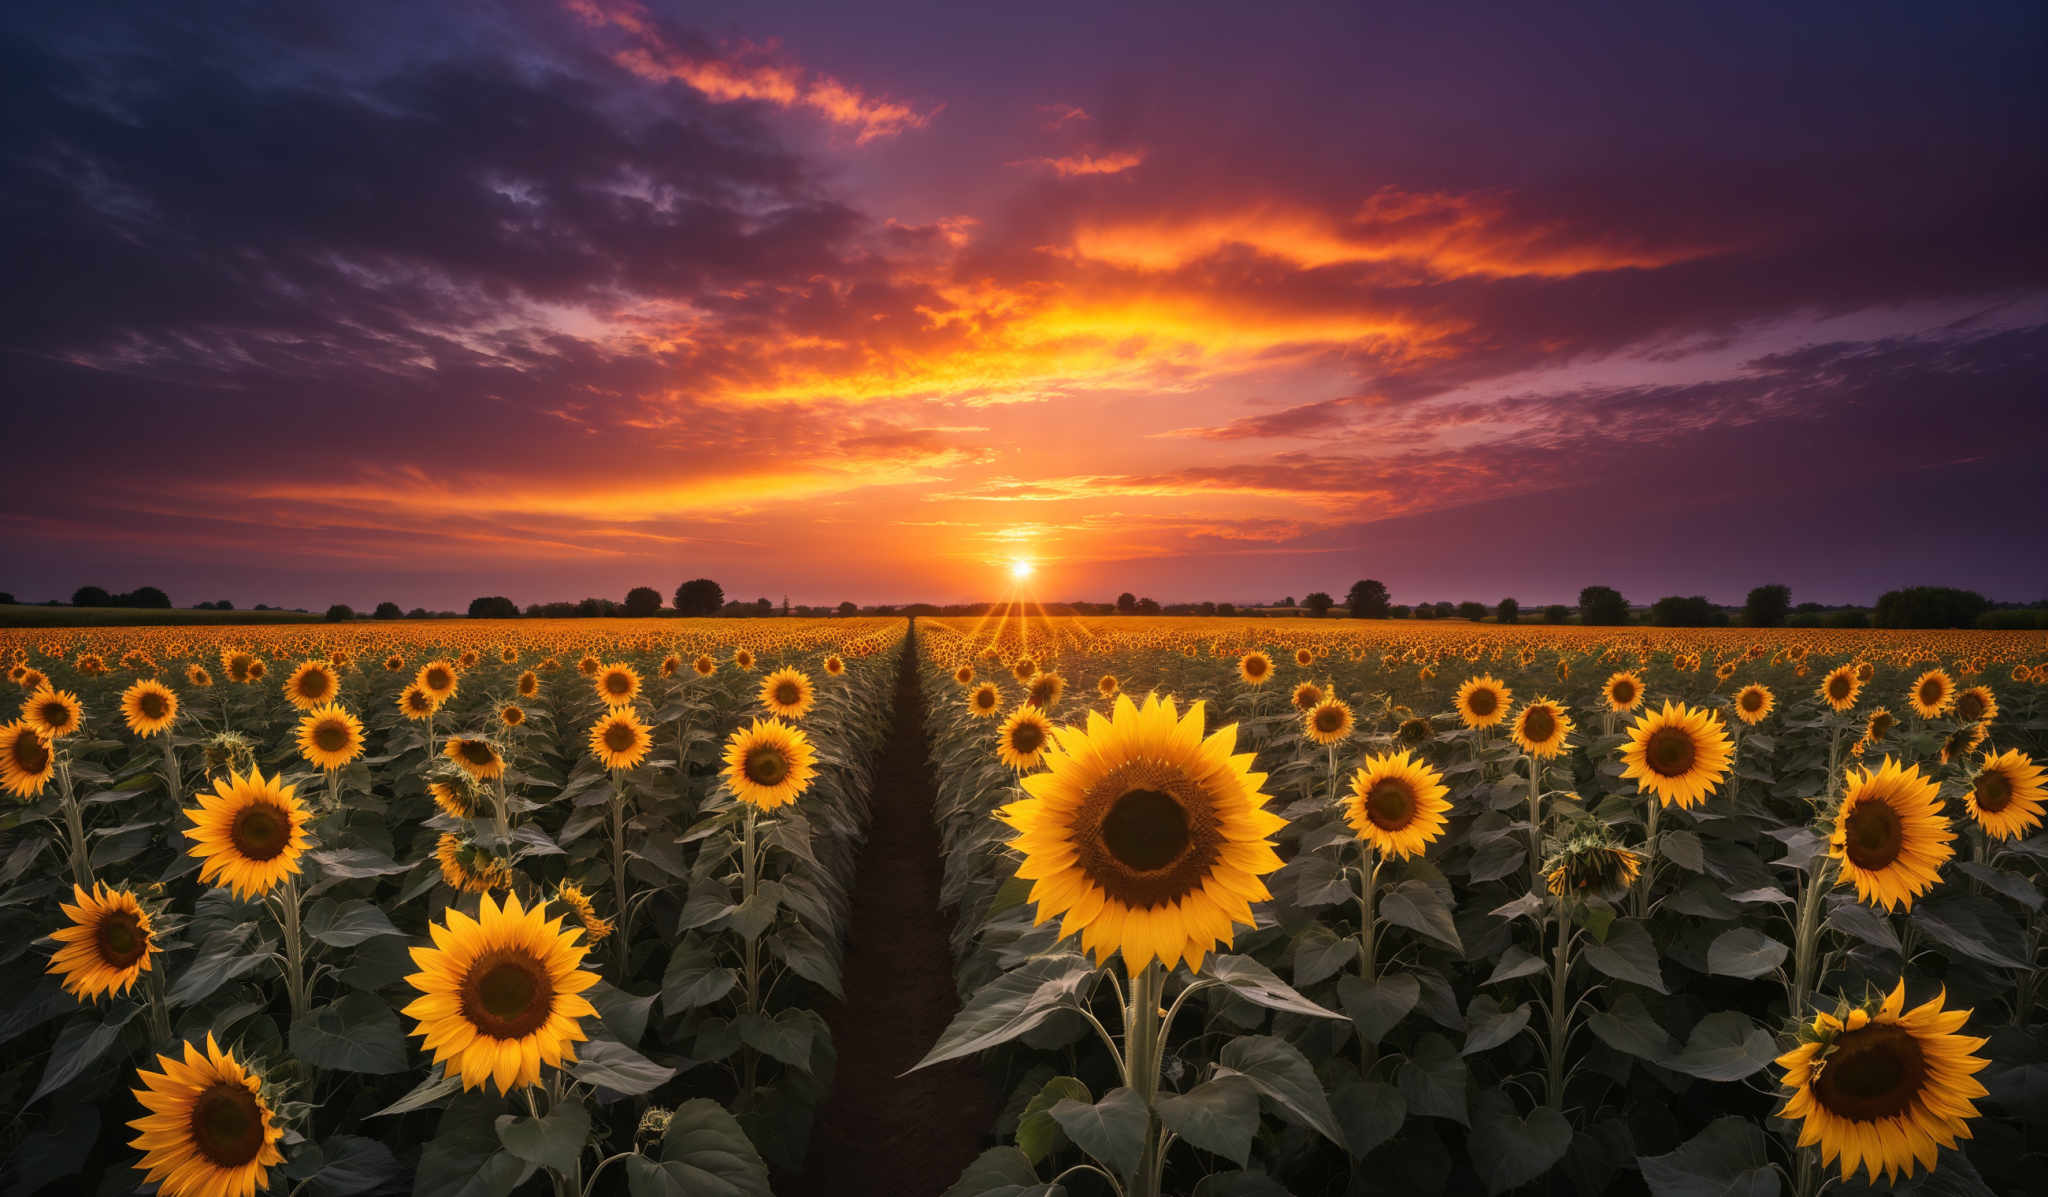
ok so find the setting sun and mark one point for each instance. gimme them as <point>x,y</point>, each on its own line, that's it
<point>1020,569</point>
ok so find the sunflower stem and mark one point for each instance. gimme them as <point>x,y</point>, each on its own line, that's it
<point>749,881</point>
<point>294,947</point>
<point>1368,887</point>
<point>159,1011</point>
<point>74,824</point>
<point>1649,877</point>
<point>1806,938</point>
<point>619,866</point>
<point>1560,1012</point>
<point>1535,823</point>
<point>1142,1057</point>
<point>174,778</point>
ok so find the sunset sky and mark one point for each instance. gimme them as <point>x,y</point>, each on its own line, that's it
<point>425,301</point>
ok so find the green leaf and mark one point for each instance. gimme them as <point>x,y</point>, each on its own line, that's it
<point>1682,848</point>
<point>1319,954</point>
<point>1255,983</point>
<point>807,957</point>
<point>1515,962</point>
<point>1433,1080</point>
<point>85,1039</point>
<point>1418,906</point>
<point>705,1153</point>
<point>709,901</point>
<point>1630,1027</point>
<point>225,955</point>
<point>1972,926</point>
<point>354,863</point>
<point>464,1158</point>
<point>1509,1152</point>
<point>1220,1116</point>
<point>1487,1026</point>
<point>351,1164</point>
<point>2005,881</point>
<point>1282,1074</point>
<point>1371,1113</point>
<point>1724,1047</point>
<point>624,1014</point>
<point>1628,955</point>
<point>1744,952</point>
<point>1854,919</point>
<point>554,1140</point>
<point>1038,1136</point>
<point>1377,1006</point>
<point>785,1036</point>
<point>694,978</point>
<point>429,1091</point>
<point>346,924</point>
<point>999,1169</point>
<point>1727,1159</point>
<point>619,1068</point>
<point>1009,1006</point>
<point>1240,1184</point>
<point>1112,1130</point>
<point>357,1033</point>
<point>754,915</point>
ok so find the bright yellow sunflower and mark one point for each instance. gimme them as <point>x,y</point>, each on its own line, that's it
<point>27,760</point>
<point>619,739</point>
<point>528,684</point>
<point>617,685</point>
<point>743,659</point>
<point>769,764</point>
<point>1304,657</point>
<point>1880,722</point>
<point>1678,753</point>
<point>1623,691</point>
<point>1890,835</point>
<point>478,757</point>
<point>501,994</point>
<point>1107,685</point>
<point>312,684</point>
<point>149,707</point>
<point>1976,705</point>
<point>1045,691</point>
<point>439,679</point>
<point>787,693</point>
<point>1256,668</point>
<point>196,675</point>
<point>330,737</point>
<point>704,665</point>
<point>55,713</point>
<point>1840,687</point>
<point>964,674</point>
<point>596,928</point>
<point>1961,742</point>
<point>1328,722</point>
<point>209,1132</point>
<point>416,703</point>
<point>511,715</point>
<point>1397,804</point>
<point>834,667</point>
<point>107,945</point>
<point>1483,701</point>
<point>1306,696</point>
<point>1147,837</point>
<point>2007,794</point>
<point>1933,692</point>
<point>1541,727</point>
<point>1024,737</point>
<point>1754,703</point>
<point>1884,1089</point>
<point>249,833</point>
<point>985,701</point>
<point>456,798</point>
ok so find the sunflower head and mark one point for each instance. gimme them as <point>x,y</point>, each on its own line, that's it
<point>476,756</point>
<point>457,794</point>
<point>1880,723</point>
<point>1933,692</point>
<point>1328,722</point>
<point>985,701</point>
<point>106,943</point>
<point>248,833</point>
<point>787,693</point>
<point>149,707</point>
<point>1541,727</point>
<point>1397,804</point>
<point>1415,730</point>
<point>1022,740</point>
<point>1024,669</point>
<point>1753,703</point>
<point>330,737</point>
<point>834,666</point>
<point>1483,701</point>
<point>964,674</point>
<point>1592,865</point>
<point>1306,696</point>
<point>1304,657</point>
<point>312,684</point>
<point>1045,691</point>
<point>438,679</point>
<point>1107,685</point>
<point>743,659</point>
<point>27,759</point>
<point>468,868</point>
<point>393,663</point>
<point>1255,668</point>
<point>2006,795</point>
<point>528,684</point>
<point>208,1130</point>
<point>1976,705</point>
<point>704,665</point>
<point>572,896</point>
<point>196,675</point>
<point>1961,742</point>
<point>417,703</point>
<point>511,715</point>
<point>1840,687</point>
<point>616,685</point>
<point>619,739</point>
<point>55,713</point>
<point>769,764</point>
<point>1679,754</point>
<point>1890,836</point>
<point>229,752</point>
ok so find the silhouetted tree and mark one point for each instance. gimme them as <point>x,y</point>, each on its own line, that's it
<point>643,601</point>
<point>764,606</point>
<point>848,608</point>
<point>148,596</point>
<point>223,605</point>
<point>387,611</point>
<point>1400,611</point>
<point>1556,613</point>
<point>1226,608</point>
<point>1602,606</point>
<point>1318,604</point>
<point>1929,607</point>
<point>1368,599</point>
<point>90,596</point>
<point>1472,611</point>
<point>1674,611</point>
<point>340,613</point>
<point>1767,606</point>
<point>1507,611</point>
<point>1127,603</point>
<point>1148,606</point>
<point>495,606</point>
<point>1425,611</point>
<point>1206,608</point>
<point>699,596</point>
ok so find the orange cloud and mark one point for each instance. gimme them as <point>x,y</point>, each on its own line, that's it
<point>1111,163</point>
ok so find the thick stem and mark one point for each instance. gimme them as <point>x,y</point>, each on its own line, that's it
<point>1142,1056</point>
<point>1560,1010</point>
<point>74,825</point>
<point>749,882</point>
<point>1368,893</point>
<point>1806,939</point>
<point>294,948</point>
<point>619,870</point>
<point>174,777</point>
<point>1535,823</point>
<point>1649,877</point>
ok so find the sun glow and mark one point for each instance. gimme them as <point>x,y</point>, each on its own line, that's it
<point>1020,569</point>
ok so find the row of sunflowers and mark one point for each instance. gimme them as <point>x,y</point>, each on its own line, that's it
<point>1339,907</point>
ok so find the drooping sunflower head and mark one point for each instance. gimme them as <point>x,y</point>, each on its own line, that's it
<point>1976,705</point>
<point>1592,865</point>
<point>330,737</point>
<point>27,759</point>
<point>1255,668</point>
<point>619,740</point>
<point>439,679</point>
<point>1961,742</point>
<point>1397,804</point>
<point>248,833</point>
<point>528,684</point>
<point>1679,754</point>
<point>1107,685</point>
<point>511,715</point>
<point>468,868</point>
<point>1415,730</point>
<point>312,684</point>
<point>1024,737</point>
<point>477,757</point>
<point>1483,701</point>
<point>55,713</point>
<point>2007,795</point>
<point>1045,691</point>
<point>1149,837</point>
<point>1933,692</point>
<point>1754,702</point>
<point>501,994</point>
<point>107,943</point>
<point>1840,687</point>
<point>456,795</point>
<point>985,701</point>
<point>787,693</point>
<point>617,685</point>
<point>964,674</point>
<point>229,751</point>
<point>834,666</point>
<point>1878,725</point>
<point>416,703</point>
<point>196,675</point>
<point>149,707</point>
<point>1328,722</point>
<point>1306,696</point>
<point>1882,1087</point>
<point>769,764</point>
<point>595,928</point>
<point>1541,727</point>
<point>671,665</point>
<point>209,1131</point>
<point>1890,835</point>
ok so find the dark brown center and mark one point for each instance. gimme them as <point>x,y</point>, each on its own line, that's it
<point>787,694</point>
<point>1255,666</point>
<point>121,939</point>
<point>1873,836</point>
<point>260,831</point>
<point>227,1124</point>
<point>1483,702</point>
<point>438,679</point>
<point>1993,791</point>
<point>1329,720</point>
<point>313,685</point>
<point>56,715</point>
<point>1670,751</point>
<point>1873,1073</point>
<point>30,754</point>
<point>1752,700</point>
<point>1624,691</point>
<point>152,705</point>
<point>766,765</point>
<point>1390,804</point>
<point>476,752</point>
<point>1838,687</point>
<point>1026,738</point>
<point>1931,691</point>
<point>1156,834</point>
<point>617,683</point>
<point>1145,830</point>
<point>507,994</point>
<point>620,737</point>
<point>1879,725</point>
<point>331,736</point>
<point>1970,706</point>
<point>1538,725</point>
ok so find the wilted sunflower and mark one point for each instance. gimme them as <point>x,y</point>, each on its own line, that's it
<point>469,869</point>
<point>1397,804</point>
<point>1592,865</point>
<point>1933,692</point>
<point>964,674</point>
<point>149,707</point>
<point>330,737</point>
<point>1149,838</point>
<point>2006,795</point>
<point>1328,722</point>
<point>1024,737</point>
<point>248,833</point>
<point>511,714</point>
<point>1541,727</point>
<point>704,665</point>
<point>528,684</point>
<point>1976,705</point>
<point>1255,668</point>
<point>55,713</point>
<point>27,760</point>
<point>572,896</point>
<point>438,679</point>
<point>107,945</point>
<point>1754,703</point>
<point>743,659</point>
<point>1890,835</point>
<point>1884,1089</point>
<point>1415,730</point>
<point>1483,701</point>
<point>617,685</point>
<point>1107,685</point>
<point>501,994</point>
<point>456,797</point>
<point>1840,687</point>
<point>229,750</point>
<point>834,667</point>
<point>312,684</point>
<point>786,692</point>
<point>1878,725</point>
<point>478,758</point>
<point>1306,696</point>
<point>1045,690</point>
<point>416,703</point>
<point>769,764</point>
<point>1679,754</point>
<point>619,740</point>
<point>209,1132</point>
<point>985,701</point>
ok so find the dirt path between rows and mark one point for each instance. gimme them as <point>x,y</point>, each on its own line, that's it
<point>877,1133</point>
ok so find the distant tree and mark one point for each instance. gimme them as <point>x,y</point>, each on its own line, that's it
<point>1556,613</point>
<point>494,606</point>
<point>1853,618</point>
<point>340,613</point>
<point>1368,599</point>
<point>90,596</point>
<point>1446,610</point>
<point>764,606</point>
<point>1148,606</point>
<point>849,608</point>
<point>1425,610</point>
<point>387,610</point>
<point>1126,603</point>
<point>1602,606</point>
<point>263,607</point>
<point>1206,608</point>
<point>223,605</point>
<point>1508,611</point>
<point>591,608</point>
<point>699,596</point>
<point>416,613</point>
<point>1472,611</point>
<point>1400,611</point>
<point>643,601</point>
<point>6,599</point>
<point>1287,602</point>
<point>1318,604</point>
<point>1226,608</point>
<point>1767,606</point>
<point>1923,607</point>
<point>1674,611</point>
<point>149,596</point>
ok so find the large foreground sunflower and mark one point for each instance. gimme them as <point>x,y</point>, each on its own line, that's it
<point>27,760</point>
<point>1933,692</point>
<point>619,740</point>
<point>1483,701</point>
<point>2006,795</point>
<point>149,707</point>
<point>1022,740</point>
<point>330,737</point>
<point>769,763</point>
<point>787,693</point>
<point>107,944</point>
<point>1147,837</point>
<point>501,994</point>
<point>1884,1089</point>
<point>1541,727</point>
<point>1753,703</point>
<point>209,1131</point>
<point>1890,835</point>
<point>1397,804</point>
<point>55,713</point>
<point>1678,753</point>
<point>249,833</point>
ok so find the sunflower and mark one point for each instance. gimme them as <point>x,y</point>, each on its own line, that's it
<point>208,1132</point>
<point>1022,740</point>
<point>1415,730</point>
<point>1045,690</point>
<point>1328,722</point>
<point>501,994</point>
<point>528,684</point>
<point>1255,668</point>
<point>511,714</point>
<point>312,684</point>
<point>439,679</point>
<point>619,740</point>
<point>985,701</point>
<point>769,764</point>
<point>743,659</point>
<point>478,758</point>
<point>834,667</point>
<point>1304,657</point>
<point>1397,804</point>
<point>149,707</point>
<point>55,713</point>
<point>1933,692</point>
<point>1877,725</point>
<point>1754,703</point>
<point>588,665</point>
<point>617,685</point>
<point>467,660</point>
<point>1541,727</point>
<point>416,703</point>
<point>196,675</point>
<point>330,737</point>
<point>1678,753</point>
<point>249,833</point>
<point>469,869</point>
<point>1976,705</point>
<point>394,663</point>
<point>1107,685</point>
<point>1024,669</point>
<point>704,665</point>
<point>1890,835</point>
<point>786,692</point>
<point>1592,865</point>
<point>256,671</point>
<point>1840,687</point>
<point>32,680</point>
<point>1884,1089</point>
<point>107,945</point>
<point>239,666</point>
<point>571,895</point>
<point>1149,838</point>
<point>1483,701</point>
<point>1306,696</point>
<point>964,674</point>
<point>2006,795</point>
<point>1961,742</point>
<point>456,798</point>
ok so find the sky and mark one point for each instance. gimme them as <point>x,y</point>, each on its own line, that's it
<point>345,303</point>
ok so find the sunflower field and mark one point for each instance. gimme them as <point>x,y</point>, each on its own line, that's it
<point>441,908</point>
<point>1325,907</point>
